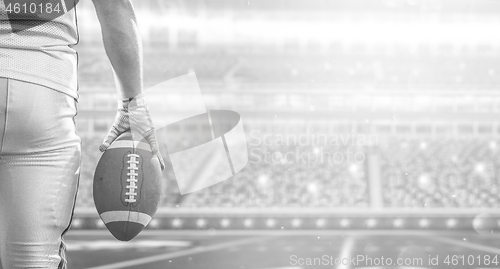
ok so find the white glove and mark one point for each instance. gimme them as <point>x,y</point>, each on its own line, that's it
<point>133,115</point>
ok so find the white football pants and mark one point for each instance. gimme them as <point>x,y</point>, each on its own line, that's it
<point>39,171</point>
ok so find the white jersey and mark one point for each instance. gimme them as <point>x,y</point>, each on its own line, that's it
<point>35,43</point>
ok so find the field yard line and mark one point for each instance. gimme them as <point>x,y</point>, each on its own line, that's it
<point>180,253</point>
<point>347,247</point>
<point>467,244</point>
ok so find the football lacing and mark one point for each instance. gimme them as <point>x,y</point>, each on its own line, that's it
<point>132,178</point>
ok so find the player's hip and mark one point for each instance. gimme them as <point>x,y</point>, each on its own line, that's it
<point>35,119</point>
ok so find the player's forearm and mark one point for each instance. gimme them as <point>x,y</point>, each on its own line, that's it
<point>122,43</point>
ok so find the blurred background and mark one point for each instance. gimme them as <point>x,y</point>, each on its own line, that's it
<point>408,87</point>
<point>359,114</point>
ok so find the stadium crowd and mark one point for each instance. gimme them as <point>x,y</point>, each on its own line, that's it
<point>434,173</point>
<point>441,172</point>
<point>278,180</point>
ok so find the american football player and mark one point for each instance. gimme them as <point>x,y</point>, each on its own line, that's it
<point>40,151</point>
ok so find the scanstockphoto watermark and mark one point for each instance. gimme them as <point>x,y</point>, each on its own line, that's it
<point>471,260</point>
<point>296,156</point>
<point>357,260</point>
<point>310,148</point>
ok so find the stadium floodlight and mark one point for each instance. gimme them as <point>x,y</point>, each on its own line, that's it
<point>225,223</point>
<point>370,223</point>
<point>99,224</point>
<point>155,223</point>
<point>201,223</point>
<point>344,223</point>
<point>398,223</point>
<point>176,223</point>
<point>271,223</point>
<point>320,223</point>
<point>296,223</point>
<point>424,223</point>
<point>248,223</point>
<point>76,223</point>
<point>451,223</point>
<point>477,223</point>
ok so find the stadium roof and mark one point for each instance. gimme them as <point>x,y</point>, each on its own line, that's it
<point>467,6</point>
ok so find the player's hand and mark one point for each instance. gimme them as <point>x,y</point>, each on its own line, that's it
<point>133,115</point>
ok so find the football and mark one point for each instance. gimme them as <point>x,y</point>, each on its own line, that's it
<point>127,187</point>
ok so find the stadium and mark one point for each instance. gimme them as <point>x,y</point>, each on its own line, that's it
<point>371,127</point>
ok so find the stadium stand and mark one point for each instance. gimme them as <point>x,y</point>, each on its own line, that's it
<point>435,173</point>
<point>402,71</point>
<point>272,181</point>
<point>445,173</point>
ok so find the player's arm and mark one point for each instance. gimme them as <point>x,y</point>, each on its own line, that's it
<point>122,43</point>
